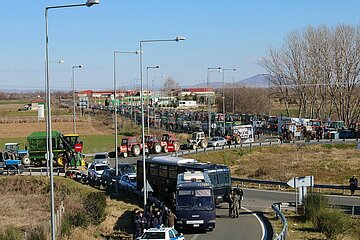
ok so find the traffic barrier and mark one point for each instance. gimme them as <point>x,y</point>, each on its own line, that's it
<point>276,207</point>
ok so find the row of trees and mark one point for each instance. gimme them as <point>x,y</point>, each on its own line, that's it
<point>319,68</point>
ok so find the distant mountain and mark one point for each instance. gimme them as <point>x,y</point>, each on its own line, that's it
<point>259,80</point>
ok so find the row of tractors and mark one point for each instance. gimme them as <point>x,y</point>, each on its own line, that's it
<point>130,146</point>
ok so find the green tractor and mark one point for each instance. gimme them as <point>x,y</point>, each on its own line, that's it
<point>64,147</point>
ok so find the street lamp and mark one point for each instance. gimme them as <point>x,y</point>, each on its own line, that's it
<point>88,3</point>
<point>209,105</point>
<point>73,89</point>
<point>142,108</point>
<point>47,131</point>
<point>148,101</point>
<point>115,116</point>
<point>223,93</point>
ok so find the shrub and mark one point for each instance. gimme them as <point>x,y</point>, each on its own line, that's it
<point>11,233</point>
<point>332,223</point>
<point>314,203</point>
<point>95,204</point>
<point>37,233</point>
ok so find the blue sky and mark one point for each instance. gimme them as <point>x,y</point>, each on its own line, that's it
<point>226,33</point>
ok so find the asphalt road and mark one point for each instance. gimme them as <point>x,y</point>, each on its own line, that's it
<point>248,227</point>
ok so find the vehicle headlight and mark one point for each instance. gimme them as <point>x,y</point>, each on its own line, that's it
<point>179,222</point>
<point>212,221</point>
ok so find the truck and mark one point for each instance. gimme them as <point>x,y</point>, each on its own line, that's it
<point>63,147</point>
<point>194,201</point>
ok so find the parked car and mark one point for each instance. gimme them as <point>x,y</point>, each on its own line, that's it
<point>101,158</point>
<point>346,134</point>
<point>96,169</point>
<point>128,182</point>
<point>126,168</point>
<point>217,141</point>
<point>162,234</point>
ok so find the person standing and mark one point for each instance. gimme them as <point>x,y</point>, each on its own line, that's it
<point>240,192</point>
<point>236,200</point>
<point>171,218</point>
<point>231,204</point>
<point>353,184</point>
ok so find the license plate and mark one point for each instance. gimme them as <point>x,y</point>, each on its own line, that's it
<point>196,225</point>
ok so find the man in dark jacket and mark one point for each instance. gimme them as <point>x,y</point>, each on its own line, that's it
<point>353,184</point>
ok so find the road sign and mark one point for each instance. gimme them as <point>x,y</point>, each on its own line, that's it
<point>78,147</point>
<point>213,125</point>
<point>296,182</point>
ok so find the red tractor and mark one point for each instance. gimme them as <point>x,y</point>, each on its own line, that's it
<point>154,145</point>
<point>130,146</point>
<point>171,141</point>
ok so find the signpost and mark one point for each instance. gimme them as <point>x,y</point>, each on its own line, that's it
<point>78,147</point>
<point>301,183</point>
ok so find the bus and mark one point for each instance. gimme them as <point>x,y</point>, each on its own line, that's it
<point>194,201</point>
<point>162,172</point>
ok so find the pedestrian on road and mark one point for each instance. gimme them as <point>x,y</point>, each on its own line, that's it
<point>240,192</point>
<point>236,200</point>
<point>231,204</point>
<point>353,184</point>
<point>171,218</point>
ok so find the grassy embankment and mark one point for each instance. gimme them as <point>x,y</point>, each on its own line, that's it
<point>89,213</point>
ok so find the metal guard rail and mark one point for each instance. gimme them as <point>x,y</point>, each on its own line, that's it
<point>282,235</point>
<point>284,184</point>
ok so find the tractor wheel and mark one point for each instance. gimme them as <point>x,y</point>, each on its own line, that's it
<point>176,146</point>
<point>26,160</point>
<point>165,149</point>
<point>125,154</point>
<point>136,150</point>
<point>157,148</point>
<point>203,144</point>
<point>61,160</point>
<point>237,139</point>
<point>194,147</point>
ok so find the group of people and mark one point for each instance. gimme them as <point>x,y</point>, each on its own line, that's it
<point>153,218</point>
<point>235,199</point>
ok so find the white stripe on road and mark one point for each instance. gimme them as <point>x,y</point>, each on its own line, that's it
<point>263,229</point>
<point>195,237</point>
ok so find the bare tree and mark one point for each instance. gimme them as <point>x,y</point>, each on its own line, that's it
<point>169,86</point>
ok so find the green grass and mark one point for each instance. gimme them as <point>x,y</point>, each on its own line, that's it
<point>22,141</point>
<point>4,102</point>
<point>103,143</point>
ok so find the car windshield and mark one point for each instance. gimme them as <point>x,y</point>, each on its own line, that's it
<point>100,168</point>
<point>214,139</point>
<point>126,169</point>
<point>100,156</point>
<point>153,235</point>
<point>195,199</point>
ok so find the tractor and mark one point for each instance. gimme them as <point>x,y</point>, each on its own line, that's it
<point>15,153</point>
<point>198,139</point>
<point>171,142</point>
<point>130,146</point>
<point>64,148</point>
<point>7,163</point>
<point>154,145</point>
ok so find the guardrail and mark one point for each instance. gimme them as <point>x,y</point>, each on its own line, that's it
<point>282,235</point>
<point>30,171</point>
<point>284,184</point>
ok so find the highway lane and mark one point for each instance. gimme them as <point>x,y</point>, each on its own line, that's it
<point>247,227</point>
<point>255,199</point>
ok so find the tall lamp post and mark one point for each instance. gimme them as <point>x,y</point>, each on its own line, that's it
<point>88,3</point>
<point>115,116</point>
<point>177,39</point>
<point>47,131</point>
<point>209,105</point>
<point>148,101</point>
<point>223,93</point>
<point>73,89</point>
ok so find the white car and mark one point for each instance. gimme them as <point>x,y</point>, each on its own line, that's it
<point>101,158</point>
<point>96,169</point>
<point>128,182</point>
<point>162,234</point>
<point>217,141</point>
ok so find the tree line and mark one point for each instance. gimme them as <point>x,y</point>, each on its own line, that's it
<point>319,67</point>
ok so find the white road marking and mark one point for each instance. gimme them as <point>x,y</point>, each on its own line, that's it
<point>260,221</point>
<point>195,236</point>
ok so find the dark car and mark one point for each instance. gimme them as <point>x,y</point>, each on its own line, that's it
<point>108,177</point>
<point>346,134</point>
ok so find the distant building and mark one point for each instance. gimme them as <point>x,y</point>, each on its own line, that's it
<point>195,92</point>
<point>35,103</point>
<point>187,104</point>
